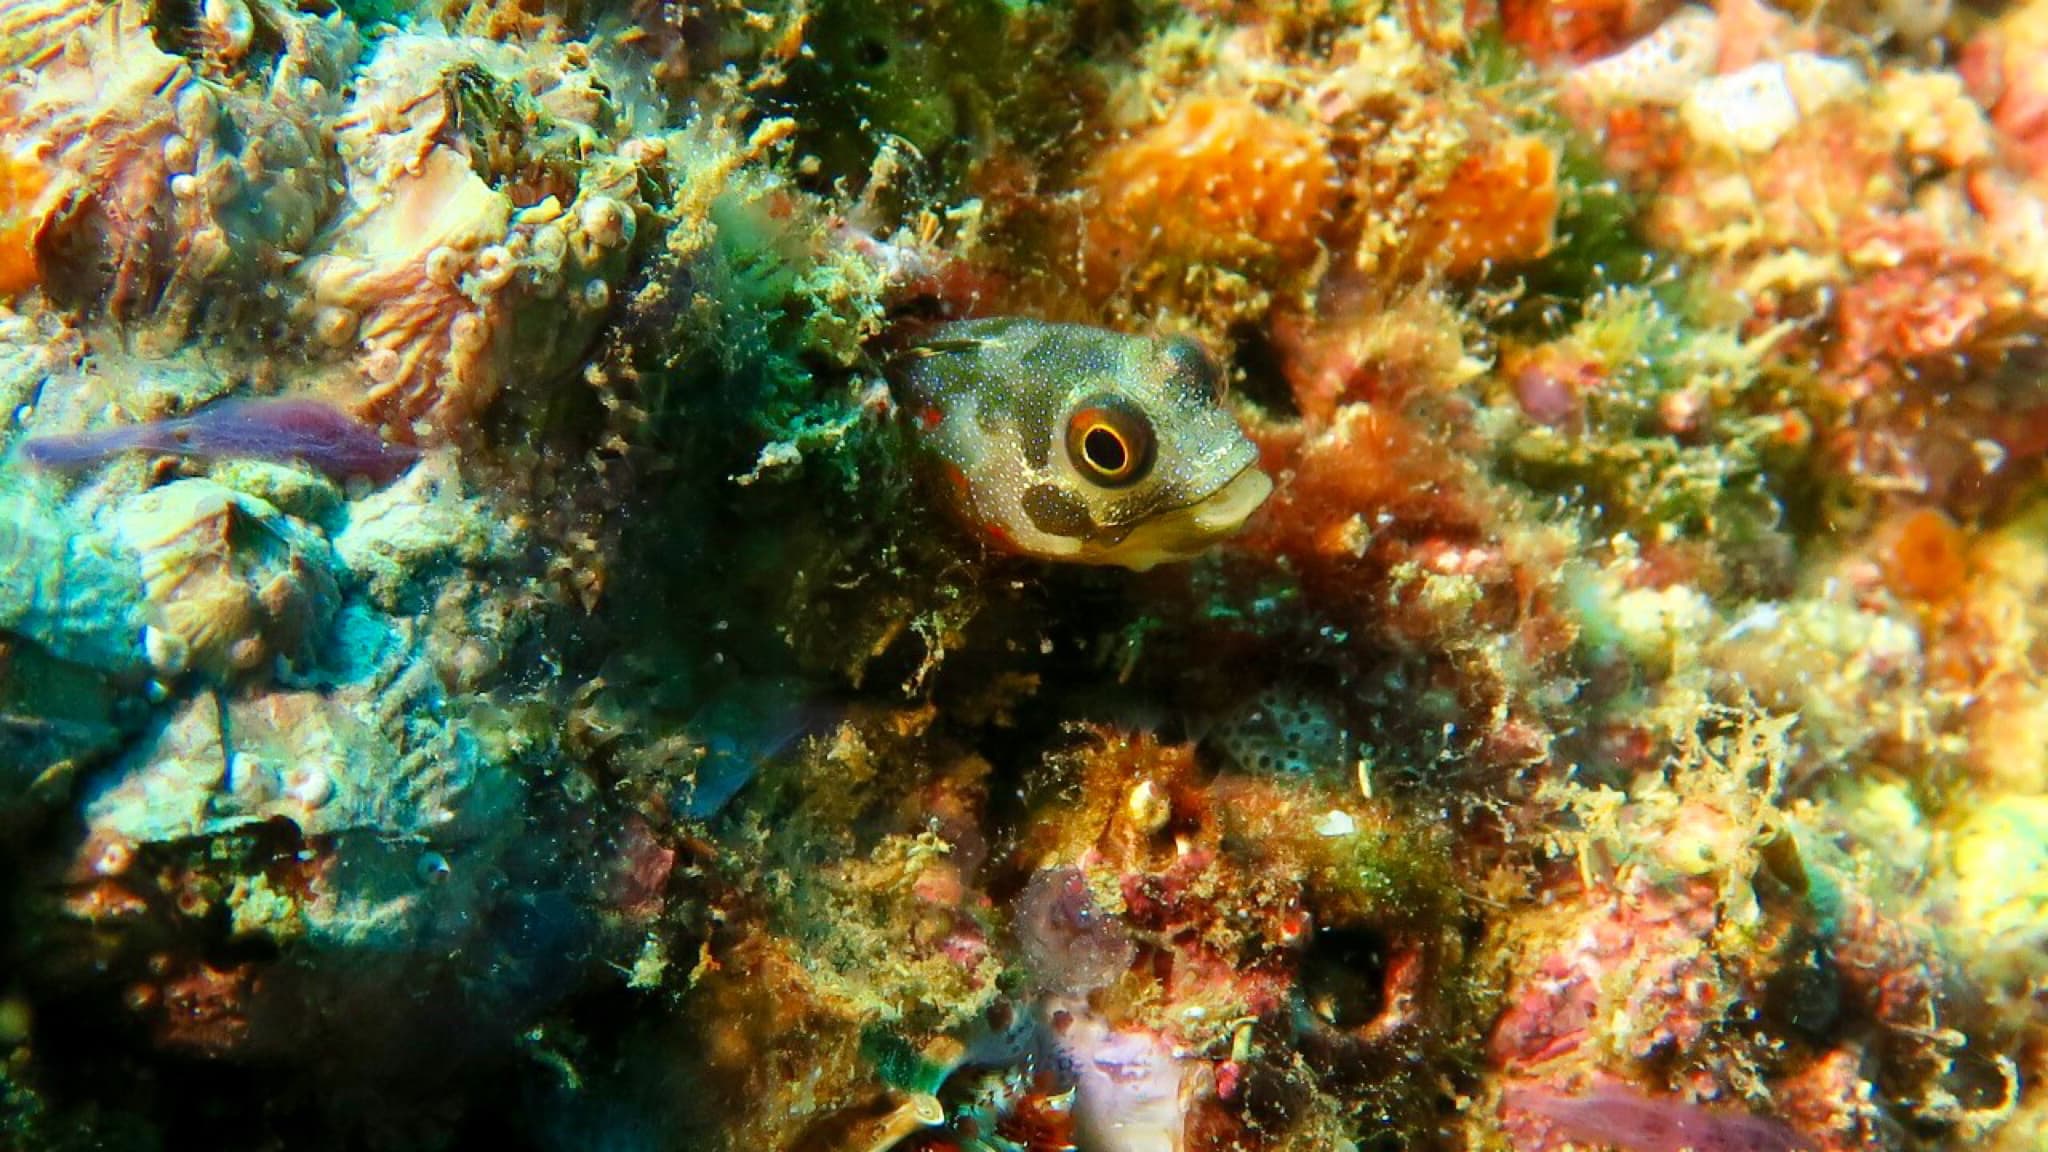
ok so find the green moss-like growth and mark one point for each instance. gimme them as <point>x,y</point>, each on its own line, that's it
<point>941,81</point>
<point>28,1119</point>
<point>893,71</point>
<point>1661,428</point>
<point>782,483</point>
<point>1600,244</point>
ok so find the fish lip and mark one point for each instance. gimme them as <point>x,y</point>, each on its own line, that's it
<point>1215,495</point>
<point>1194,526</point>
<point>1119,533</point>
<point>1222,497</point>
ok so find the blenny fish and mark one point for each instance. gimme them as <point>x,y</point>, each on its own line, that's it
<point>282,431</point>
<point>1066,442</point>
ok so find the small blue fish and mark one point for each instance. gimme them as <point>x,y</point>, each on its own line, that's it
<point>281,431</point>
<point>743,728</point>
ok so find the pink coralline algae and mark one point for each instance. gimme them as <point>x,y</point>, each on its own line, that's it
<point>1644,947</point>
<point>1069,941</point>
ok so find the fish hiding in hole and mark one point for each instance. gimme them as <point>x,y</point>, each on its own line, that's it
<point>1072,443</point>
<point>283,431</point>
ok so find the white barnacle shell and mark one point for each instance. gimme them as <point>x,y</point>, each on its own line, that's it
<point>226,28</point>
<point>335,327</point>
<point>1750,111</point>
<point>454,282</point>
<point>179,153</point>
<point>444,266</point>
<point>1661,68</point>
<point>494,268</point>
<point>250,780</point>
<point>308,785</point>
<point>606,222</point>
<point>226,581</point>
<point>469,333</point>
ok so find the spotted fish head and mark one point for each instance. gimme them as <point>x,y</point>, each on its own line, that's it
<point>1067,442</point>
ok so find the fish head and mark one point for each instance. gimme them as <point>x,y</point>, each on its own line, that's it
<point>1072,443</point>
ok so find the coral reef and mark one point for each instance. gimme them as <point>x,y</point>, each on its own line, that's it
<point>979,576</point>
<point>178,186</point>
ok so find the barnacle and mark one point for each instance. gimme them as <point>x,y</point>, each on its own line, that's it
<point>473,238</point>
<point>229,583</point>
<point>160,189</point>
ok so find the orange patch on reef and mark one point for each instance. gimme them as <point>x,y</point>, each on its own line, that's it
<point>2001,65</point>
<point>1551,31</point>
<point>1924,556</point>
<point>21,185</point>
<point>1499,208</point>
<point>1221,180</point>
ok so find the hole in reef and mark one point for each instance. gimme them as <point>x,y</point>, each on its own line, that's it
<point>1256,373</point>
<point>1344,977</point>
<point>171,23</point>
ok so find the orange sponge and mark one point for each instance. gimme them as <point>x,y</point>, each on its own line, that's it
<point>21,185</point>
<point>1499,208</point>
<point>1220,181</point>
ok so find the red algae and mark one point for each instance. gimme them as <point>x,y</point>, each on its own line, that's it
<point>1574,31</point>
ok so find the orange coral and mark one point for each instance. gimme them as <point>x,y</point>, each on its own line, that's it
<point>1500,207</point>
<point>21,184</point>
<point>1221,181</point>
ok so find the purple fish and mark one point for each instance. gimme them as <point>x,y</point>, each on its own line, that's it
<point>1618,1116</point>
<point>306,431</point>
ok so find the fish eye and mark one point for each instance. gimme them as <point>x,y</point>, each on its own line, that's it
<point>1110,441</point>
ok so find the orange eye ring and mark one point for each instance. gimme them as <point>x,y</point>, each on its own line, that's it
<point>1110,442</point>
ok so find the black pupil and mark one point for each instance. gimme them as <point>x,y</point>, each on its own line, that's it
<point>1105,450</point>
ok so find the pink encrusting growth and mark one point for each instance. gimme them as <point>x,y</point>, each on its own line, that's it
<point>1071,944</point>
<point>283,430</point>
<point>1613,1115</point>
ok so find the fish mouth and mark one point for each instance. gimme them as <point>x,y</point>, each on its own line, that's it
<point>1226,509</point>
<point>1179,533</point>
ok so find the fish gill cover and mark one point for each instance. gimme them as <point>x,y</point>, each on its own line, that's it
<point>1001,576</point>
